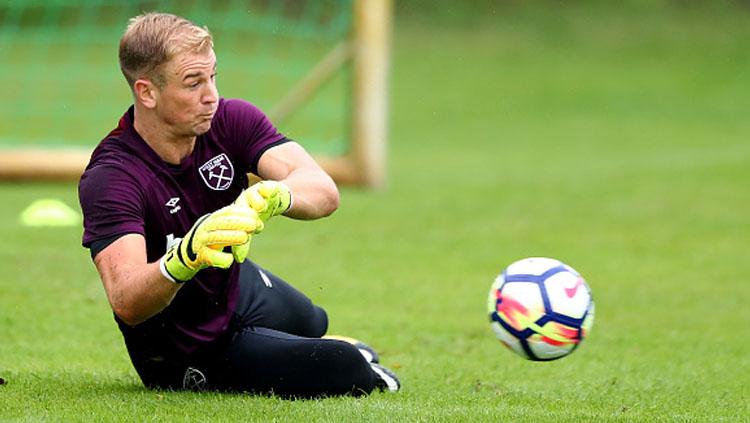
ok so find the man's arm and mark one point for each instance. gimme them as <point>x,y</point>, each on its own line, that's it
<point>314,194</point>
<point>136,289</point>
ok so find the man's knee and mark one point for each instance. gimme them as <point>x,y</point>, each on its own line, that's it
<point>318,324</point>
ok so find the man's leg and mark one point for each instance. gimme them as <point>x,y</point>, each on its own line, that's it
<point>264,300</point>
<point>267,301</point>
<point>276,345</point>
<point>263,360</point>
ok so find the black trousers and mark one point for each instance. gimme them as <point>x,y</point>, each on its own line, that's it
<point>273,347</point>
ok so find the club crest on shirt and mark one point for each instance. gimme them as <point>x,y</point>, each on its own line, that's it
<point>217,172</point>
<point>194,379</point>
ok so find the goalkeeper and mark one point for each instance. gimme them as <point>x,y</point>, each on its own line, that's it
<point>169,220</point>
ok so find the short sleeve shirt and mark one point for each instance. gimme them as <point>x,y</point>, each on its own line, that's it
<point>126,188</point>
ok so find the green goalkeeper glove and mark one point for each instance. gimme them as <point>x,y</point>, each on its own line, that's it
<point>268,198</point>
<point>203,245</point>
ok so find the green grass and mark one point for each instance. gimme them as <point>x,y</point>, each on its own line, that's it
<point>616,142</point>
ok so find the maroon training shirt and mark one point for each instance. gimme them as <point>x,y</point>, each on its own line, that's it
<point>127,188</point>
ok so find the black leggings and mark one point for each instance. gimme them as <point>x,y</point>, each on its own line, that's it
<point>273,347</point>
<point>277,348</point>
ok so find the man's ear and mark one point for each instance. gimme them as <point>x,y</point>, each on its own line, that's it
<point>146,93</point>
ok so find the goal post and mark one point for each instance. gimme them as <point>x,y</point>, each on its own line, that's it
<point>370,90</point>
<point>318,68</point>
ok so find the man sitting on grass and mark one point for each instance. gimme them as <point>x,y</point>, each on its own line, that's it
<point>169,219</point>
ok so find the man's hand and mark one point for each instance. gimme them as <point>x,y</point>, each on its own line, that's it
<point>268,198</point>
<point>204,243</point>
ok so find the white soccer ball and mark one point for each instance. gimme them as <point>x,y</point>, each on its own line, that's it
<point>540,308</point>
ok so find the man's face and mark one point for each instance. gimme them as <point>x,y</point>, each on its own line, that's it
<point>189,98</point>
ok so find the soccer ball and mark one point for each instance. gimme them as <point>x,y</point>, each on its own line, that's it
<point>540,308</point>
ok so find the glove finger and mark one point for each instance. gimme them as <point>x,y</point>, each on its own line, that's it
<point>238,208</point>
<point>277,195</point>
<point>268,189</point>
<point>259,226</point>
<point>230,210</point>
<point>240,252</point>
<point>217,258</point>
<point>241,200</point>
<point>222,238</point>
<point>255,200</point>
<point>246,221</point>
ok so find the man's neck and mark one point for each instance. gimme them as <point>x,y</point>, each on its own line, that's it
<point>170,148</point>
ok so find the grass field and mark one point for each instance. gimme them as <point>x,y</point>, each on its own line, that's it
<point>614,141</point>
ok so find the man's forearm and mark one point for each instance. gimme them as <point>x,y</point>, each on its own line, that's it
<point>314,194</point>
<point>136,292</point>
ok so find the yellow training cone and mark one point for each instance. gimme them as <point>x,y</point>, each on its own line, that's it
<point>49,212</point>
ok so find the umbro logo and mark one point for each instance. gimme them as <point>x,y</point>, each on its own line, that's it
<point>173,204</point>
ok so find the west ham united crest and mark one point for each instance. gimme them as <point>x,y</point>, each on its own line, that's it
<point>217,173</point>
<point>193,379</point>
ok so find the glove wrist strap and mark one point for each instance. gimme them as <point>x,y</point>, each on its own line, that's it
<point>291,198</point>
<point>178,276</point>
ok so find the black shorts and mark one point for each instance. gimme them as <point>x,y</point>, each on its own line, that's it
<point>273,346</point>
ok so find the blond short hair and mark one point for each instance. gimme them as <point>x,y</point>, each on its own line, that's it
<point>153,39</point>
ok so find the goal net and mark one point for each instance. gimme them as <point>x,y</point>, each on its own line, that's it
<point>318,68</point>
